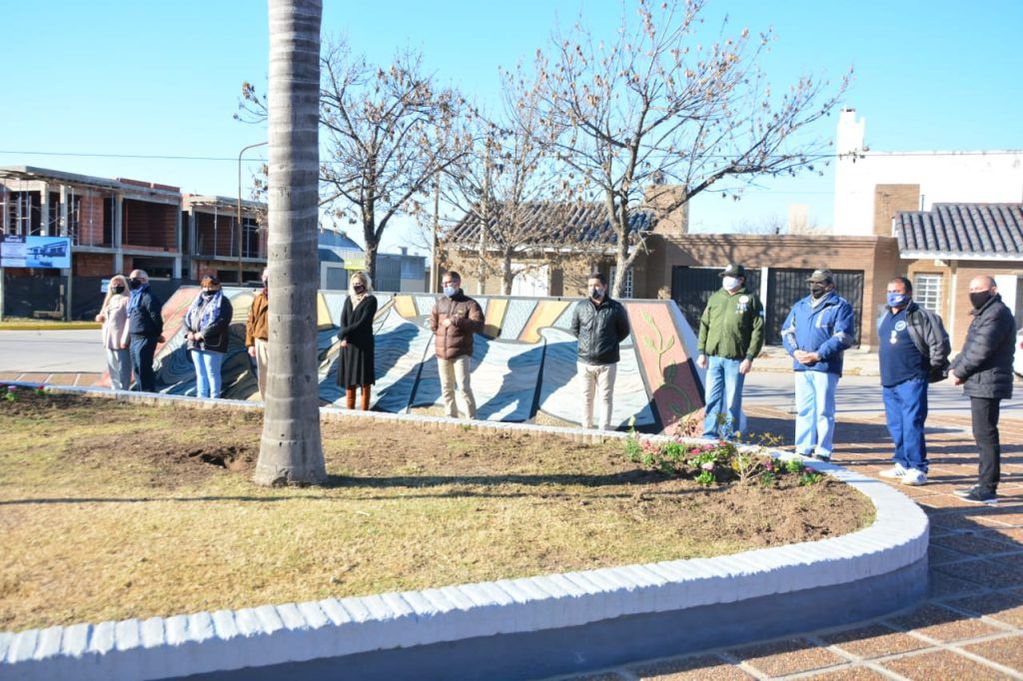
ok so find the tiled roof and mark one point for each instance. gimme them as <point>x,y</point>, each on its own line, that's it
<point>583,224</point>
<point>962,230</point>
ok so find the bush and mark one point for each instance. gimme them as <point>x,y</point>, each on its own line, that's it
<point>716,462</point>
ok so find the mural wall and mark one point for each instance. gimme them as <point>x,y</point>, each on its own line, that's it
<point>523,366</point>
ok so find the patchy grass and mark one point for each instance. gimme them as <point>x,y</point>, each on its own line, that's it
<point>112,510</point>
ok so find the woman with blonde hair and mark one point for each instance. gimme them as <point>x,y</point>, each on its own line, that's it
<point>114,316</point>
<point>356,368</point>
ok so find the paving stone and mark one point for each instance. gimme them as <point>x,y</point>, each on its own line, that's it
<point>696,668</point>
<point>779,658</point>
<point>936,555</point>
<point>604,676</point>
<point>874,640</point>
<point>942,665</point>
<point>943,624</point>
<point>946,586</point>
<point>1005,651</point>
<point>994,573</point>
<point>961,519</point>
<point>1001,606</point>
<point>971,543</point>
<point>853,673</point>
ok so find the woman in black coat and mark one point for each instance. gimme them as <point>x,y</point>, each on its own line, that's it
<point>356,368</point>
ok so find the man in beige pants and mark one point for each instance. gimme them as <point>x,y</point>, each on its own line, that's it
<point>455,319</point>
<point>600,324</point>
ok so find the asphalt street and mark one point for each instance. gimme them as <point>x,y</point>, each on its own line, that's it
<point>80,351</point>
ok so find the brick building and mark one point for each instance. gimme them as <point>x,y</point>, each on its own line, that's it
<point>944,248</point>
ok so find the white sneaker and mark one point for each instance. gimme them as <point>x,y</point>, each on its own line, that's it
<point>896,471</point>
<point>913,476</point>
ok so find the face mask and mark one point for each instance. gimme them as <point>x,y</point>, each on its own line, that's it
<point>134,284</point>
<point>209,293</point>
<point>359,288</point>
<point>596,292</point>
<point>730,283</point>
<point>266,283</point>
<point>117,289</point>
<point>978,298</point>
<point>818,290</point>
<point>450,291</point>
<point>897,299</point>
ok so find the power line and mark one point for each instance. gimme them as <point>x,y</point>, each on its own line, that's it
<point>809,157</point>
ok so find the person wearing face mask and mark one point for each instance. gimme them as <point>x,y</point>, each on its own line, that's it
<point>257,333</point>
<point>816,333</point>
<point>732,334</point>
<point>114,316</point>
<point>984,369</point>
<point>356,368</point>
<point>207,330</point>
<point>600,324</point>
<point>454,320</point>
<point>913,350</point>
<point>145,327</point>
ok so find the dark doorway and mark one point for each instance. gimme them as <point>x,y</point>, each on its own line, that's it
<point>692,287</point>
<point>786,286</point>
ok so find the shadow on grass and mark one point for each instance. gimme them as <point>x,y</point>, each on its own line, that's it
<point>462,487</point>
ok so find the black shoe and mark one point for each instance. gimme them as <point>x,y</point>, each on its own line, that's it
<point>981,496</point>
<point>966,491</point>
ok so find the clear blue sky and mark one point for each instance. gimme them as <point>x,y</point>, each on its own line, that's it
<point>162,78</point>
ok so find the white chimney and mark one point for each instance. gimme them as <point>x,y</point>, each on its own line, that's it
<point>850,132</point>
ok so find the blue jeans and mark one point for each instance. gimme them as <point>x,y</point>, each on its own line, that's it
<point>905,408</point>
<point>723,397</point>
<point>207,372</point>
<point>815,413</point>
<point>143,349</point>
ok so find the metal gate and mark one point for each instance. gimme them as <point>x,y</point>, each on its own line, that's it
<point>692,287</point>
<point>786,286</point>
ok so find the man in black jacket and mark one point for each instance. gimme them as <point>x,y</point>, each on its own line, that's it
<point>984,369</point>
<point>145,327</point>
<point>600,324</point>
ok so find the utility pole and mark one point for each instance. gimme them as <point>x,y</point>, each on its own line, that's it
<point>238,225</point>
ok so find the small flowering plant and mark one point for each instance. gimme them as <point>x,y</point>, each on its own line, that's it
<point>13,393</point>
<point>718,462</point>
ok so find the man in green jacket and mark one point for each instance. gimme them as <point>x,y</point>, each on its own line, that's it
<point>731,336</point>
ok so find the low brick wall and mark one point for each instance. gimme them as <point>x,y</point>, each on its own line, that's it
<point>514,629</point>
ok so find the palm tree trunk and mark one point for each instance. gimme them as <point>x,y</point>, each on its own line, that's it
<point>291,449</point>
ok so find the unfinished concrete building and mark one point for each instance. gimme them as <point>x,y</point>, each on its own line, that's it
<point>115,225</point>
<point>216,243</point>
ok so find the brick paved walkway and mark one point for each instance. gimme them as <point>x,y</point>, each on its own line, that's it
<point>971,627</point>
<point>80,379</point>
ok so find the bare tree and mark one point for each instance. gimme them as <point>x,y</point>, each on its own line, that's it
<point>389,131</point>
<point>652,105</point>
<point>291,450</point>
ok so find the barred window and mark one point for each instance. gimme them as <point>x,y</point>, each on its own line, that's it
<point>626,285</point>
<point>927,291</point>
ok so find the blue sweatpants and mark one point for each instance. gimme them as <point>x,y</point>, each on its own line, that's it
<point>905,408</point>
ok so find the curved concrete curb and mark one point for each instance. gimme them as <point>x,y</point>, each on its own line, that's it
<point>520,628</point>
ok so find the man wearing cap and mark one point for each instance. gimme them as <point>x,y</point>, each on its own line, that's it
<point>817,332</point>
<point>731,337</point>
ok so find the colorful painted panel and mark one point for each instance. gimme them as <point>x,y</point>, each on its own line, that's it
<point>529,368</point>
<point>666,362</point>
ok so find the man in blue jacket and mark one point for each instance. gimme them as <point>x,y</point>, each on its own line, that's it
<point>145,326</point>
<point>818,330</point>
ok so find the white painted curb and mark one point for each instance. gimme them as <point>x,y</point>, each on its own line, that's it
<point>224,640</point>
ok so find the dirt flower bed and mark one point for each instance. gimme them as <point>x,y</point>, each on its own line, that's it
<point>112,510</point>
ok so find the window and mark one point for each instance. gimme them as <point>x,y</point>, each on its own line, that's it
<point>627,284</point>
<point>927,291</point>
